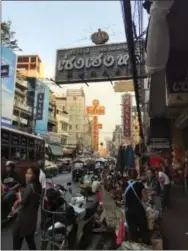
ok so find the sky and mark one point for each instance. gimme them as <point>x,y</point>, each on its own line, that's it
<point>42,27</point>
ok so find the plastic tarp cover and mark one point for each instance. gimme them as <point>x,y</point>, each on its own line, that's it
<point>56,150</point>
<point>158,43</point>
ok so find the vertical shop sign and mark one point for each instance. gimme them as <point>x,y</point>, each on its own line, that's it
<point>127,116</point>
<point>40,105</point>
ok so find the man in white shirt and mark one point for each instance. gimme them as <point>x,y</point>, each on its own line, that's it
<point>165,185</point>
<point>42,179</point>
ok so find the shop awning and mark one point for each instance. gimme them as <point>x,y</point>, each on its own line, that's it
<point>56,150</point>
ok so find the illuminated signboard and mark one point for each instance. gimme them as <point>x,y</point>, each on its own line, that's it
<point>98,63</point>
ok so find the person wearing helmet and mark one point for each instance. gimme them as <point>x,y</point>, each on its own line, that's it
<point>11,182</point>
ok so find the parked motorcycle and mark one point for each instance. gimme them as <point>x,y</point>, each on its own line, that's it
<point>6,205</point>
<point>67,226</point>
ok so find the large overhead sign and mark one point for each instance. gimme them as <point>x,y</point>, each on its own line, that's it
<point>97,63</point>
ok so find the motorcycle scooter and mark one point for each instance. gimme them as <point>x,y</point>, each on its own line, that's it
<point>73,225</point>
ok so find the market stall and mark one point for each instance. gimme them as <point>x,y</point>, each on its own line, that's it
<point>115,218</point>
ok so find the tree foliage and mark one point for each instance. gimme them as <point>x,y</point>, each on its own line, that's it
<point>8,36</point>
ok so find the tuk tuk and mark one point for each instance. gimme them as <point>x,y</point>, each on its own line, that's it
<point>78,170</point>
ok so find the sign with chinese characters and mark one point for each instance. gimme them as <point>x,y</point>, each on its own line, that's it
<point>40,105</point>
<point>100,110</point>
<point>4,71</point>
<point>99,126</point>
<point>42,94</point>
<point>97,63</point>
<point>126,114</point>
<point>96,108</point>
<point>95,132</point>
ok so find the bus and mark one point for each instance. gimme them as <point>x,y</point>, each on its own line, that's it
<point>22,148</point>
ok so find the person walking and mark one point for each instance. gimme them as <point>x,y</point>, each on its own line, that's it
<point>135,212</point>
<point>165,188</point>
<point>42,179</point>
<point>25,225</point>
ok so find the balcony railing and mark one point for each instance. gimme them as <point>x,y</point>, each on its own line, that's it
<point>23,107</point>
<point>51,118</point>
<point>22,83</point>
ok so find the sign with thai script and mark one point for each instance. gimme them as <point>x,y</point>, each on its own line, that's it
<point>40,105</point>
<point>97,63</point>
<point>127,116</point>
<point>4,71</point>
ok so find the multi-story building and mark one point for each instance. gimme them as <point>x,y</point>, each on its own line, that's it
<point>52,123</point>
<point>117,137</point>
<point>22,111</point>
<point>30,66</point>
<point>62,117</point>
<point>76,109</point>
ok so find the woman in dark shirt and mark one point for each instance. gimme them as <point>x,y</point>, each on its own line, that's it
<point>135,212</point>
<point>25,224</point>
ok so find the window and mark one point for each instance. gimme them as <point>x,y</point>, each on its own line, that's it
<point>23,59</point>
<point>33,66</point>
<point>70,127</point>
<point>31,154</point>
<point>15,153</point>
<point>5,152</point>
<point>33,59</point>
<point>23,153</point>
<point>77,127</point>
<point>74,98</point>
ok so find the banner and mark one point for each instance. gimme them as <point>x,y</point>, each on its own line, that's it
<point>8,79</point>
<point>42,106</point>
<point>127,118</point>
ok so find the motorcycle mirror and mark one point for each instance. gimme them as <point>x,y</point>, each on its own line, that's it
<point>69,183</point>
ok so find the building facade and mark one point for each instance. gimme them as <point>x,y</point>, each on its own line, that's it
<point>117,137</point>
<point>30,66</point>
<point>76,108</point>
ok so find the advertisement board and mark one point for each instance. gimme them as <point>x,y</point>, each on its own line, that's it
<point>8,79</point>
<point>97,63</point>
<point>127,118</point>
<point>41,112</point>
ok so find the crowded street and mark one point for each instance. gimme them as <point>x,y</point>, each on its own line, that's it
<point>94,125</point>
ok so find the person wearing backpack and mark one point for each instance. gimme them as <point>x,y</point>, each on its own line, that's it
<point>136,218</point>
<point>25,225</point>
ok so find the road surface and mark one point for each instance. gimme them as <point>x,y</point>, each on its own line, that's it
<point>6,232</point>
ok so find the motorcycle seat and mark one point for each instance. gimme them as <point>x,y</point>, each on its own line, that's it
<point>59,228</point>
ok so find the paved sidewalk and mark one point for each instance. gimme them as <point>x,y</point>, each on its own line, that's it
<point>175,221</point>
